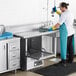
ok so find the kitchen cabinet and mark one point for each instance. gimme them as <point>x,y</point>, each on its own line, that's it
<point>14,54</point>
<point>9,54</point>
<point>3,57</point>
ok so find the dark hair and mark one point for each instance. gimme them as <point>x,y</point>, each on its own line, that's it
<point>63,4</point>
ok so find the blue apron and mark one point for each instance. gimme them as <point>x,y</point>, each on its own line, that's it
<point>63,40</point>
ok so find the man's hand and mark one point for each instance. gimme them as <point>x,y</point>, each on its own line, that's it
<point>54,9</point>
<point>56,26</point>
<point>58,12</point>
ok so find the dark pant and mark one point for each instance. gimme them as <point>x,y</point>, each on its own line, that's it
<point>70,48</point>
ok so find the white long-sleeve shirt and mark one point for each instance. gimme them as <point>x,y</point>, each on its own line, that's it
<point>67,18</point>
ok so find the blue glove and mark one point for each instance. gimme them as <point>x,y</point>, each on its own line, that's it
<point>50,29</point>
<point>54,9</point>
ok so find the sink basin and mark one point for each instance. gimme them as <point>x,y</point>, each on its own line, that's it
<point>42,29</point>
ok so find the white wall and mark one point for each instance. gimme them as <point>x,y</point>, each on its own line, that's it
<point>73,7</point>
<point>16,12</point>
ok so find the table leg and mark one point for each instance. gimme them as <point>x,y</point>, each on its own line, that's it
<point>55,46</point>
<point>26,46</point>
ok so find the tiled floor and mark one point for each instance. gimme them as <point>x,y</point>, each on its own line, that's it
<point>28,73</point>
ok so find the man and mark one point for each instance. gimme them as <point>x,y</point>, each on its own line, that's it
<point>66,29</point>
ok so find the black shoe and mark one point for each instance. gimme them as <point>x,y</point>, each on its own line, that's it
<point>63,63</point>
<point>69,61</point>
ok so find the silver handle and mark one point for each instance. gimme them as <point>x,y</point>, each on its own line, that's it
<point>14,56</point>
<point>7,55</point>
<point>4,47</point>
<point>14,64</point>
